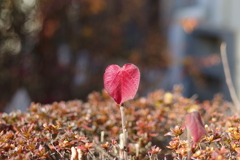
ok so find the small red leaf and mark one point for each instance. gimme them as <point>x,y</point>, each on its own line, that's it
<point>153,134</point>
<point>195,125</point>
<point>121,83</point>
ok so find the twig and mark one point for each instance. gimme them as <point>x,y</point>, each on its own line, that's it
<point>228,77</point>
<point>57,150</point>
<point>92,155</point>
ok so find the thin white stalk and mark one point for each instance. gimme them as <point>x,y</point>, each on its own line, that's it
<point>137,150</point>
<point>121,146</point>
<point>124,132</point>
<point>189,144</point>
<point>102,136</point>
<point>73,154</point>
<point>228,77</point>
<point>80,154</point>
<point>102,140</point>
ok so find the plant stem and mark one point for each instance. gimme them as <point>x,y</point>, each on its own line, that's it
<point>189,144</point>
<point>228,77</point>
<point>124,132</point>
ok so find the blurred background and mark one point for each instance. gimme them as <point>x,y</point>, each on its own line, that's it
<point>53,50</point>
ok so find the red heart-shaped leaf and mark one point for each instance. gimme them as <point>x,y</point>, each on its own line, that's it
<point>121,83</point>
<point>195,125</point>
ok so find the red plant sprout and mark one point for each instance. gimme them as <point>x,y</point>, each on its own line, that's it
<point>121,83</point>
<point>195,125</point>
<point>155,150</point>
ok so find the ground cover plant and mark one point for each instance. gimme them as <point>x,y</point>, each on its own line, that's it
<point>162,125</point>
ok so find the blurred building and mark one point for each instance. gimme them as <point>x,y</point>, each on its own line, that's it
<point>195,33</point>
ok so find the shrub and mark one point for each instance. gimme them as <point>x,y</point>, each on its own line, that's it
<point>90,130</point>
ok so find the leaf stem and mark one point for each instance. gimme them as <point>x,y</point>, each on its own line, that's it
<point>124,132</point>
